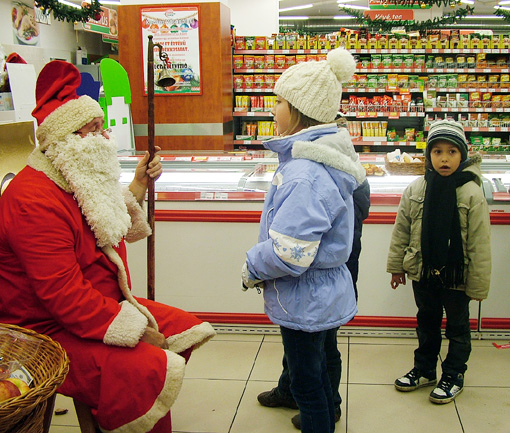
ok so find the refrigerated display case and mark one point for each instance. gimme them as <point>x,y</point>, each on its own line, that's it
<point>207,215</point>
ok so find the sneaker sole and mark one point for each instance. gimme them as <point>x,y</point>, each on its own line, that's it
<point>412,388</point>
<point>444,400</point>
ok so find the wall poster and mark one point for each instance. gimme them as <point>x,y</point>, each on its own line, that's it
<point>177,29</point>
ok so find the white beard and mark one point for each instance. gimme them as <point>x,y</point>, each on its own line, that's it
<point>91,168</point>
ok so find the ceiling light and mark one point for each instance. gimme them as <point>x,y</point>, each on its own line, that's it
<point>365,8</point>
<point>482,17</point>
<point>295,8</point>
<point>502,7</point>
<point>74,5</point>
<point>293,18</point>
<point>345,1</point>
<point>504,2</point>
<point>468,2</point>
<point>343,17</point>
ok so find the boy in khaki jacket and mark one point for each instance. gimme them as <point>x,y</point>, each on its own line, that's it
<point>441,240</point>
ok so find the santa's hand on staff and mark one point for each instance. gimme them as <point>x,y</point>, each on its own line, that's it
<point>143,172</point>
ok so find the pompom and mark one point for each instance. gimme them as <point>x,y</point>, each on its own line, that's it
<point>342,64</point>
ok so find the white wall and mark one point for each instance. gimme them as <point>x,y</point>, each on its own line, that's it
<point>57,40</point>
<point>250,17</point>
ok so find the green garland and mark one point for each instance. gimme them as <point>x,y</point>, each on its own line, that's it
<point>503,14</point>
<point>63,12</point>
<point>385,26</point>
<point>425,2</point>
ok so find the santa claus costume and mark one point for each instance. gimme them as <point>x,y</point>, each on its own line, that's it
<point>64,273</point>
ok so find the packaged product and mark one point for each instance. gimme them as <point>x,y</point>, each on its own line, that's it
<point>311,57</point>
<point>352,41</point>
<point>259,62</point>
<point>382,81</point>
<point>486,41</point>
<point>300,58</point>
<point>450,61</point>
<point>280,43</point>
<point>441,101</point>
<point>382,42</point>
<point>403,81</point>
<point>259,81</point>
<point>271,42</point>
<point>419,60</point>
<point>386,60</point>
<point>476,41</point>
<point>323,43</point>
<point>238,60</point>
<point>291,41</point>
<point>249,62</point>
<point>475,100</point>
<point>290,61</point>
<point>505,42</point>
<point>501,62</point>
<point>481,79</point>
<point>461,61</point>
<point>481,60</point>
<point>313,42</point>
<point>372,81</point>
<point>269,102</point>
<point>494,120</point>
<point>465,41</point>
<point>444,40</point>
<point>260,42</point>
<point>321,57</point>
<point>238,82</point>
<point>429,62</point>
<point>248,81</point>
<point>249,42</point>
<point>454,39</point>
<point>341,40</point>
<point>302,42</point>
<point>433,81</point>
<point>462,100</point>
<point>473,120</point>
<point>441,81</point>
<point>410,134</point>
<point>375,60</point>
<point>269,61</point>
<point>280,60</point>
<point>351,84</point>
<point>408,60</point>
<point>504,81</point>
<point>486,100</point>
<point>462,80</point>
<point>505,100</point>
<point>269,79</point>
<point>471,60</point>
<point>240,43</point>
<point>463,119</point>
<point>365,62</point>
<point>439,62</point>
<point>403,42</point>
<point>257,103</point>
<point>397,60</point>
<point>451,100</point>
<point>361,80</point>
<point>392,134</point>
<point>372,42</point>
<point>451,81</point>
<point>472,81</point>
<point>496,40</point>
<point>333,40</point>
<point>483,120</point>
<point>414,82</point>
<point>393,42</point>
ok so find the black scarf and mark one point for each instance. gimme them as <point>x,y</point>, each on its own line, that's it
<point>441,240</point>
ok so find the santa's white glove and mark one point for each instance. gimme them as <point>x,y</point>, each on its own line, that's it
<point>248,283</point>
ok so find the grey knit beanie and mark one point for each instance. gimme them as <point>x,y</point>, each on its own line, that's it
<point>450,131</point>
<point>315,88</point>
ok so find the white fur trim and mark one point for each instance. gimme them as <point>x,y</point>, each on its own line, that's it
<point>127,328</point>
<point>124,287</point>
<point>339,153</point>
<point>140,228</point>
<point>38,161</point>
<point>192,337</point>
<point>173,383</point>
<point>67,119</point>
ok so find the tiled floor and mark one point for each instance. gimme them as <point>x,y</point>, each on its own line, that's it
<point>223,378</point>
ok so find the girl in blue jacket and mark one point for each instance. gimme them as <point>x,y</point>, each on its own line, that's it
<point>307,228</point>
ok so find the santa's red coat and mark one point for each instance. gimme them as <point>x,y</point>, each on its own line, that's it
<point>56,281</point>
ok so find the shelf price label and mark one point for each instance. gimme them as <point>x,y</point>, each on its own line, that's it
<point>361,115</point>
<point>421,144</point>
<point>394,115</point>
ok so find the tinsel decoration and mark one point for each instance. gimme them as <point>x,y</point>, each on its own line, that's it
<point>503,14</point>
<point>63,12</point>
<point>386,26</point>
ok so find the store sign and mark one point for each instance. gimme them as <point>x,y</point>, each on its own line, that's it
<point>391,15</point>
<point>107,24</point>
<point>177,30</point>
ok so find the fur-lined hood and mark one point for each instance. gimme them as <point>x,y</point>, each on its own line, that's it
<point>325,144</point>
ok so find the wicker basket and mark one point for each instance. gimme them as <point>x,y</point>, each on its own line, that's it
<point>405,168</point>
<point>48,368</point>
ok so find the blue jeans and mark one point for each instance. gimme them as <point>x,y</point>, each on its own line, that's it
<point>309,380</point>
<point>333,364</point>
<point>430,300</point>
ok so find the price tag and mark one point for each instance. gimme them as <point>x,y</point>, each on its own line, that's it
<point>421,144</point>
<point>394,115</point>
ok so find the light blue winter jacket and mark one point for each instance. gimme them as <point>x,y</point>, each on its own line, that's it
<point>306,230</point>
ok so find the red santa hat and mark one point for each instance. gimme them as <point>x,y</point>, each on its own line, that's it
<point>59,110</point>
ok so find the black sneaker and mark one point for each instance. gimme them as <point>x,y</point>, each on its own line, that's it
<point>296,419</point>
<point>274,398</point>
<point>416,379</point>
<point>449,387</point>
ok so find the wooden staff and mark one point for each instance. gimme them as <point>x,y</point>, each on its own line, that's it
<point>150,190</point>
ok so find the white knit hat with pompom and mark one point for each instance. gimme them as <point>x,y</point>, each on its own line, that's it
<point>315,88</point>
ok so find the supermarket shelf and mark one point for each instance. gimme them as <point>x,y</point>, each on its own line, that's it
<point>259,71</point>
<point>474,89</point>
<point>253,90</point>
<point>384,51</point>
<point>464,110</point>
<point>384,143</point>
<point>368,115</point>
<point>482,129</point>
<point>252,114</point>
<point>433,70</point>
